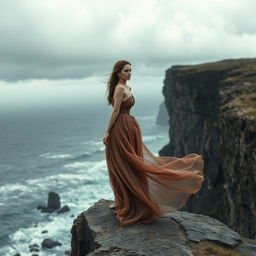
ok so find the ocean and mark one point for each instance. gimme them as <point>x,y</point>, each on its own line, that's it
<point>58,147</point>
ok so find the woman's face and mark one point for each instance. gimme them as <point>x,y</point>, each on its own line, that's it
<point>125,73</point>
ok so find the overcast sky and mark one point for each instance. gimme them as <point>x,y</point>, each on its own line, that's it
<point>58,39</point>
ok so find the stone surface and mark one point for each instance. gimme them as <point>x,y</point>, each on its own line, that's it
<point>63,209</point>
<point>248,247</point>
<point>53,200</point>
<point>82,236</point>
<point>67,252</point>
<point>212,112</point>
<point>200,227</point>
<point>178,233</point>
<point>49,243</point>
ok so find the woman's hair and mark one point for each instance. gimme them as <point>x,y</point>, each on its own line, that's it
<point>113,79</point>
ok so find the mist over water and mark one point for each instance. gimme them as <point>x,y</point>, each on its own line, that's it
<point>44,95</point>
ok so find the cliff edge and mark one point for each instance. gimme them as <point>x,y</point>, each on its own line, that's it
<point>97,232</point>
<point>212,112</point>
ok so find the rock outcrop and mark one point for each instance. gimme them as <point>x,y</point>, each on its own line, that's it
<point>212,111</point>
<point>162,117</point>
<point>49,243</point>
<point>53,204</point>
<point>97,232</point>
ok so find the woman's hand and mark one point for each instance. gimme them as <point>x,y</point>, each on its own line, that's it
<point>106,138</point>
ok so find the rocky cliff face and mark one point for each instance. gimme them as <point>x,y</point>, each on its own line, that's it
<point>212,112</point>
<point>97,232</point>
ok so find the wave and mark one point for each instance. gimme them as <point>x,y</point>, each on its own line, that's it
<point>49,155</point>
<point>82,188</point>
<point>57,225</point>
<point>94,146</point>
<point>145,118</point>
<point>81,172</point>
<point>92,142</point>
<point>88,154</point>
<point>148,138</point>
<point>80,157</point>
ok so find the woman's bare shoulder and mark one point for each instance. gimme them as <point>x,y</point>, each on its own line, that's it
<point>120,88</point>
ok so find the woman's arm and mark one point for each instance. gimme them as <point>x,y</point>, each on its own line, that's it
<point>118,97</point>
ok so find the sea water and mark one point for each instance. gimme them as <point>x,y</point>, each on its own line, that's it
<point>45,148</point>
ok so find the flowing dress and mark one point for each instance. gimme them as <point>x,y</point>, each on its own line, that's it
<point>146,186</point>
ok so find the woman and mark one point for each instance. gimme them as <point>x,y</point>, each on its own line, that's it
<point>144,185</point>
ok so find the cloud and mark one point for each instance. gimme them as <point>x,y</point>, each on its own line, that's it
<point>64,39</point>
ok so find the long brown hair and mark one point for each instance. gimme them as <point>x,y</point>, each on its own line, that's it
<point>113,79</point>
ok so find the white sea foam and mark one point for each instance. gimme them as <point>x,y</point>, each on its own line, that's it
<point>79,165</point>
<point>102,148</point>
<point>78,198</point>
<point>147,138</point>
<point>95,146</point>
<point>145,118</point>
<point>82,173</point>
<point>92,142</point>
<point>58,229</point>
<point>55,156</point>
<point>10,187</point>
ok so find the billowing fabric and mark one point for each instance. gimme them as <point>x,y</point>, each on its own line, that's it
<point>146,186</point>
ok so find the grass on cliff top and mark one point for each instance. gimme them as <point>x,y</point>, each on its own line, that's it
<point>244,104</point>
<point>239,75</point>
<point>243,70</point>
<point>245,66</point>
<point>206,248</point>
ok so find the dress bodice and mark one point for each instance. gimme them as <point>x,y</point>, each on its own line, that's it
<point>126,105</point>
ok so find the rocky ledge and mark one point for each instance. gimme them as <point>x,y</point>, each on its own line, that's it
<point>96,232</point>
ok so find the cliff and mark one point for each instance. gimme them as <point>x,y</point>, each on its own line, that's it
<point>212,112</point>
<point>162,117</point>
<point>97,232</point>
